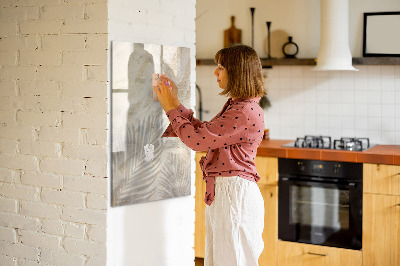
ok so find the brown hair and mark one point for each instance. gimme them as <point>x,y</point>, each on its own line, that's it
<point>245,78</point>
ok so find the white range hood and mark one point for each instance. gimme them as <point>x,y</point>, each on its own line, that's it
<point>334,51</point>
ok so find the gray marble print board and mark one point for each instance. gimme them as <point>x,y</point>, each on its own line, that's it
<point>144,166</point>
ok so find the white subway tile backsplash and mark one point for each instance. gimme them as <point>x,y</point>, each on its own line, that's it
<point>338,104</point>
<point>374,111</point>
<point>388,110</point>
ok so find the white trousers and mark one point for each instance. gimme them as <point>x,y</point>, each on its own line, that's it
<point>234,223</point>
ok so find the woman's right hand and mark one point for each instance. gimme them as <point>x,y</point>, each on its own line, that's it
<point>174,90</point>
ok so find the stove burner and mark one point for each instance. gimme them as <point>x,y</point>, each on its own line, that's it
<point>351,144</point>
<point>308,141</point>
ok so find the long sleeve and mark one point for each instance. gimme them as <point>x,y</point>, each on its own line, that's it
<point>186,113</point>
<point>225,130</point>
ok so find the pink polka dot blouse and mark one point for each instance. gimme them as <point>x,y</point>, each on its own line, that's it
<point>231,139</point>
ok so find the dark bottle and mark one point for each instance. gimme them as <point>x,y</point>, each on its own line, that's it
<point>290,49</point>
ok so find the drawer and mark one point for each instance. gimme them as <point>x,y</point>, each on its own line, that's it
<point>381,179</point>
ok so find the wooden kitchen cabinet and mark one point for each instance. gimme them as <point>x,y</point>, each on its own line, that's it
<point>200,207</point>
<point>298,254</point>
<point>270,233</point>
<point>381,230</point>
<point>381,179</point>
<point>381,215</point>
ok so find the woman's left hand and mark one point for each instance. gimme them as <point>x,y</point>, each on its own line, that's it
<point>164,94</point>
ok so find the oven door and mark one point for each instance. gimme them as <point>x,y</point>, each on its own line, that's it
<point>321,212</point>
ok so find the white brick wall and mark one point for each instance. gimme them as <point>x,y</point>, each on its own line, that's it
<point>53,114</point>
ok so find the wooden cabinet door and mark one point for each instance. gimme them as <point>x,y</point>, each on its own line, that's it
<point>270,233</point>
<point>200,207</point>
<point>381,230</point>
<point>267,168</point>
<point>381,179</point>
<point>298,254</point>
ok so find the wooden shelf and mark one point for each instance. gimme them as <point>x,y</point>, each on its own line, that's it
<point>312,61</point>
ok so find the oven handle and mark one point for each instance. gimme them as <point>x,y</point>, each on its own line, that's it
<point>297,181</point>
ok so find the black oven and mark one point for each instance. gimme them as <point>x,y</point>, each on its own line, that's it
<point>320,202</point>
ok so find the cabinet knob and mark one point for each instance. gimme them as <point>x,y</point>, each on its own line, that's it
<point>318,254</point>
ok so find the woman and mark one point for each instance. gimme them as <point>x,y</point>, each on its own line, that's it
<point>235,207</point>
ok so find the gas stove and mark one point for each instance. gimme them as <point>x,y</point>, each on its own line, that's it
<point>325,142</point>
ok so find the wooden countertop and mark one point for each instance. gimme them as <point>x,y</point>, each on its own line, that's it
<point>379,154</point>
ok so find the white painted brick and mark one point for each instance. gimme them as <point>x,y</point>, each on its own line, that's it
<point>86,184</point>
<point>85,89</point>
<point>98,169</point>
<point>40,27</point>
<point>62,12</point>
<point>39,87</point>
<point>75,230</point>
<point>25,262</point>
<point>97,234</point>
<point>19,13</point>
<point>56,103</point>
<point>19,43</point>
<point>53,227</point>
<point>97,11</point>
<point>41,179</point>
<point>35,239</point>
<point>87,57</point>
<point>39,148</point>
<point>7,117</point>
<point>19,251</point>
<point>99,260</point>
<point>96,202</point>
<point>17,161</point>
<point>84,26</point>
<point>39,118</point>
<point>7,88</point>
<point>85,121</point>
<point>35,2</point>
<point>8,261</point>
<point>19,221</point>
<point>25,103</point>
<point>8,145</point>
<point>8,205</point>
<point>62,166</point>
<point>61,259</point>
<point>60,73</point>
<point>63,197</point>
<point>57,134</point>
<point>89,1</point>
<point>96,137</point>
<point>17,132</point>
<point>65,42</point>
<point>7,175</point>
<point>38,209</point>
<point>85,152</point>
<point>8,234</point>
<point>40,58</point>
<point>18,72</point>
<point>98,73</point>
<point>84,216</point>
<point>8,58</point>
<point>84,247</point>
<point>98,42</point>
<point>18,191</point>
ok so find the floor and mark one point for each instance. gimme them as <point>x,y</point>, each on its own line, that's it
<point>199,262</point>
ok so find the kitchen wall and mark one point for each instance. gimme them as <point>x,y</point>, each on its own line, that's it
<point>53,114</point>
<point>339,104</point>
<point>160,232</point>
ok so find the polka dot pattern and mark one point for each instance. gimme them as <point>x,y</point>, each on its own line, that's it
<point>231,139</point>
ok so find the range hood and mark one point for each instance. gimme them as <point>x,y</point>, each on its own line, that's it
<point>334,51</point>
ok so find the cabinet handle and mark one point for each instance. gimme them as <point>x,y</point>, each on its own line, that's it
<point>398,204</point>
<point>318,254</point>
